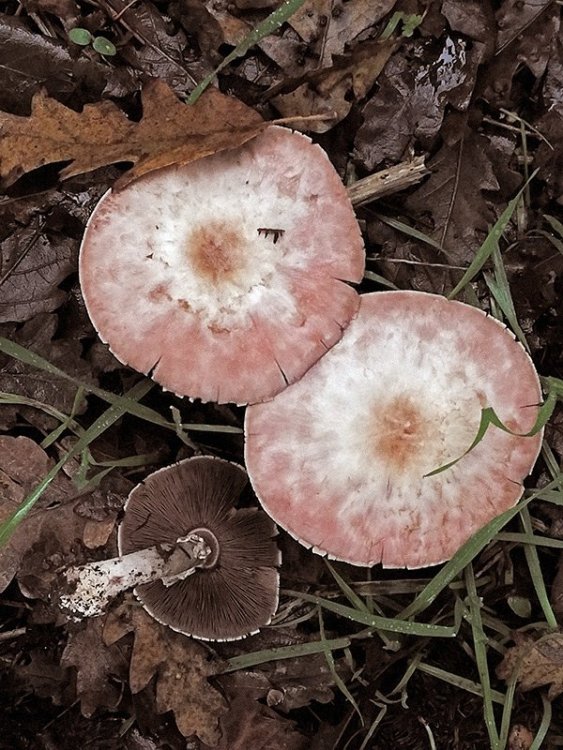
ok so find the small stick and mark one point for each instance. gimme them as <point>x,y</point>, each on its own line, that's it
<point>9,634</point>
<point>388,181</point>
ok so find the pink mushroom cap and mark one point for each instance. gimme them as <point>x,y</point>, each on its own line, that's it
<point>226,278</point>
<point>339,458</point>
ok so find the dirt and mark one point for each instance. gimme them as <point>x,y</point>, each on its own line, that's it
<point>472,88</point>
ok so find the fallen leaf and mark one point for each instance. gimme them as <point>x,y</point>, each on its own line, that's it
<point>411,100</point>
<point>332,91</point>
<point>67,11</point>
<point>23,464</point>
<point>169,132</point>
<point>42,674</point>
<point>341,24</point>
<point>520,738</point>
<point>514,17</point>
<point>29,61</point>
<point>538,663</point>
<point>251,725</point>
<point>181,665</point>
<point>159,54</point>
<point>453,195</point>
<point>97,667</point>
<point>474,18</point>
<point>519,43</point>
<point>32,265</point>
<point>45,388</point>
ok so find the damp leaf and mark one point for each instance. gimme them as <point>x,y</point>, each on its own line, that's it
<point>169,132</point>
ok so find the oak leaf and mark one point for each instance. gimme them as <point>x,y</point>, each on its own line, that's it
<point>96,685</point>
<point>538,663</point>
<point>181,666</point>
<point>169,132</point>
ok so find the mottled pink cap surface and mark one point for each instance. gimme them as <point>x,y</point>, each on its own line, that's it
<point>339,458</point>
<point>227,278</point>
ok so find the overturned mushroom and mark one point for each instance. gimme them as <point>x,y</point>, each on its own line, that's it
<point>226,278</point>
<point>198,564</point>
<point>339,459</point>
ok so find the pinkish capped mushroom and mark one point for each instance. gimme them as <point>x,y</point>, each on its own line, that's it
<point>226,278</point>
<point>339,458</point>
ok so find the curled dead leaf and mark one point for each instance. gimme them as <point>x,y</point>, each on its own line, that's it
<point>538,663</point>
<point>168,132</point>
<point>181,665</point>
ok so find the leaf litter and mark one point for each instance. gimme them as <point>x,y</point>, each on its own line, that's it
<point>474,88</point>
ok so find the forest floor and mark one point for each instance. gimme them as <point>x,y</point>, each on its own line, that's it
<point>469,91</point>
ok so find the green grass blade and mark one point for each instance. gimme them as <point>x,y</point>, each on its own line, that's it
<point>489,417</point>
<point>106,420</point>
<point>465,555</point>
<point>332,666</point>
<point>268,26</point>
<point>245,661</point>
<point>131,406</point>
<point>480,648</point>
<point>380,280</point>
<point>356,601</point>
<point>460,682</point>
<point>500,289</point>
<point>534,567</point>
<point>555,224</point>
<point>543,728</point>
<point>491,241</point>
<point>400,226</point>
<point>390,624</point>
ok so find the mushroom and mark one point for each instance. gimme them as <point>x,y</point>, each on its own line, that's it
<point>198,564</point>
<point>226,278</point>
<point>340,459</point>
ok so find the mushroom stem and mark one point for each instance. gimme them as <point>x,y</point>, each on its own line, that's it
<point>88,589</point>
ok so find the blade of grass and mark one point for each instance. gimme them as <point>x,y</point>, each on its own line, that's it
<point>379,623</point>
<point>375,723</point>
<point>131,406</point>
<point>537,744</point>
<point>500,289</point>
<point>489,417</point>
<point>534,567</point>
<point>491,241</point>
<point>555,224</point>
<point>106,420</point>
<point>379,279</point>
<point>268,26</point>
<point>338,681</point>
<point>480,648</point>
<point>508,704</point>
<point>539,541</point>
<point>465,555</point>
<point>400,226</point>
<point>245,661</point>
<point>460,682</point>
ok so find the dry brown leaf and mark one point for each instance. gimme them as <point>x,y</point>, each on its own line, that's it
<point>23,464</point>
<point>332,91</point>
<point>250,724</point>
<point>96,667</point>
<point>182,667</point>
<point>169,132</point>
<point>538,663</point>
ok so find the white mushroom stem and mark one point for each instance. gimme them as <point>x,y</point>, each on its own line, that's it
<point>88,589</point>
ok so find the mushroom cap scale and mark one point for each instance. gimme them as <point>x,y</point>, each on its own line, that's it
<point>339,459</point>
<point>226,278</point>
<point>239,593</point>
